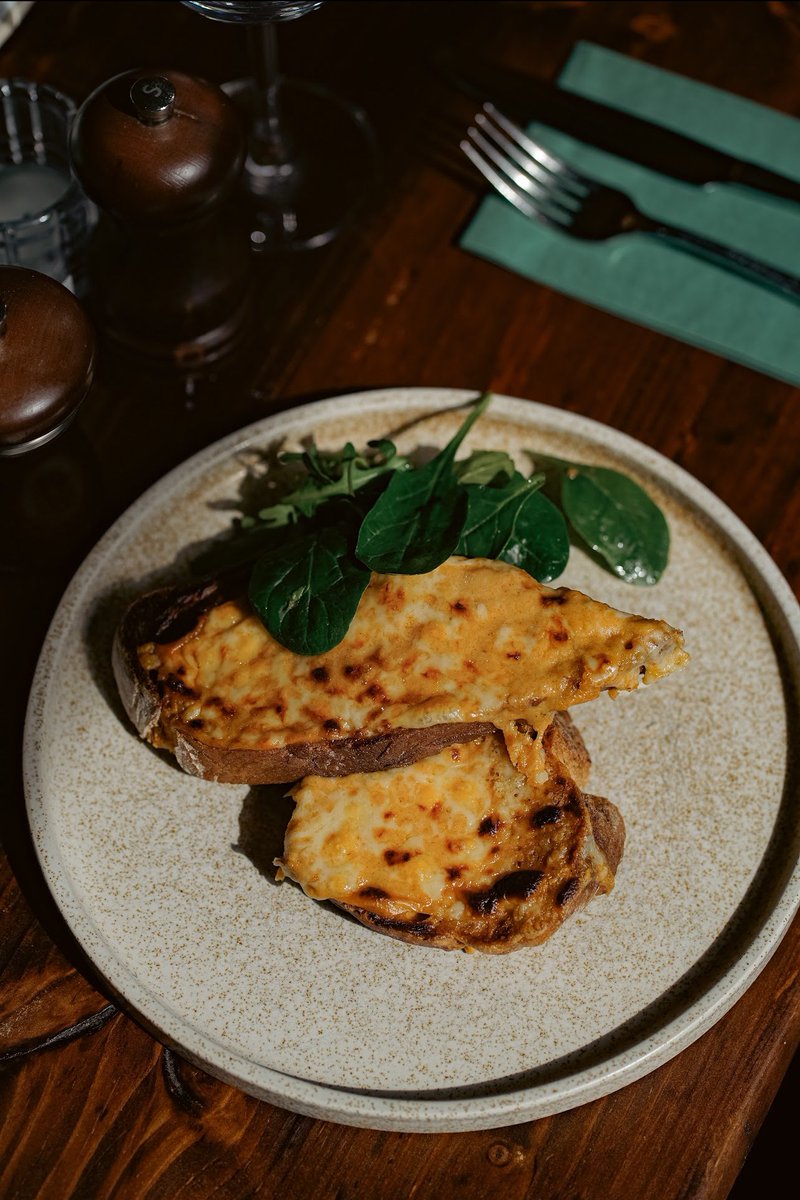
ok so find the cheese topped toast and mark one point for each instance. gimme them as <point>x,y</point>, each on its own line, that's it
<point>429,661</point>
<point>459,850</point>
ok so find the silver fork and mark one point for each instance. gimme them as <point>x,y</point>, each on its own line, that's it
<point>544,187</point>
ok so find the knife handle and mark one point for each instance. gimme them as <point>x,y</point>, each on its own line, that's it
<point>752,176</point>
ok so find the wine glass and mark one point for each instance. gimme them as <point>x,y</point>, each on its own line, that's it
<point>310,152</point>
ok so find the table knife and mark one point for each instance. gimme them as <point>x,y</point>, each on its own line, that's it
<point>527,98</point>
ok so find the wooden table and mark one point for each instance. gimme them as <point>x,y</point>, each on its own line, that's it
<point>97,1116</point>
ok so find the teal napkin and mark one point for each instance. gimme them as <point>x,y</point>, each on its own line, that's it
<point>637,277</point>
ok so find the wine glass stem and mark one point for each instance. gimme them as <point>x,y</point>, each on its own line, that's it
<point>269,146</point>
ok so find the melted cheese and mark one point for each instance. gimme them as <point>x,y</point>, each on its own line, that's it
<point>462,840</point>
<point>475,640</point>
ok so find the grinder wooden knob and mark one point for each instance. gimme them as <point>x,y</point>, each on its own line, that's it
<point>46,358</point>
<point>160,154</point>
<point>157,148</point>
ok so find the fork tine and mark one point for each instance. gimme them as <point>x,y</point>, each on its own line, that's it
<point>536,151</point>
<point>506,188</point>
<point>544,190</point>
<point>537,168</point>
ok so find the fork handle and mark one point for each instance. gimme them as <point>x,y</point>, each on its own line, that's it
<point>744,264</point>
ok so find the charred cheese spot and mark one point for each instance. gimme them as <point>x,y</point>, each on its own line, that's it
<point>406,663</point>
<point>567,891</point>
<point>515,885</point>
<point>392,857</point>
<point>176,684</point>
<point>545,816</point>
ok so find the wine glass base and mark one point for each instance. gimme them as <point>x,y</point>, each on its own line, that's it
<point>331,149</point>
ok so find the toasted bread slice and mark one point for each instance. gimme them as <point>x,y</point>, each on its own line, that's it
<point>429,660</point>
<point>460,850</point>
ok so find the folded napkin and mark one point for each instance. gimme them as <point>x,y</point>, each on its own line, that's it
<point>636,276</point>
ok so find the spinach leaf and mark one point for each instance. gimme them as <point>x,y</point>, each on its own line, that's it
<point>416,522</point>
<point>306,588</point>
<point>493,467</point>
<point>613,516</point>
<point>619,521</point>
<point>517,524</point>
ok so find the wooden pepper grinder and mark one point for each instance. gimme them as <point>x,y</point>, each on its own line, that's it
<point>48,476</point>
<point>160,154</point>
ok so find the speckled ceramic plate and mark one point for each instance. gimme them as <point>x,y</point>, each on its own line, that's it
<point>164,879</point>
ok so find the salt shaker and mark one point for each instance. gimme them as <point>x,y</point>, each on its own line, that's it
<point>160,153</point>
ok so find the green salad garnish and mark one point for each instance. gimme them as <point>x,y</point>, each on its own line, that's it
<point>353,513</point>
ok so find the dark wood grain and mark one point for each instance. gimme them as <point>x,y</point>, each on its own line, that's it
<point>393,301</point>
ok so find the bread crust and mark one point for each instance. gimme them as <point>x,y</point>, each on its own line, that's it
<point>155,616</point>
<point>608,828</point>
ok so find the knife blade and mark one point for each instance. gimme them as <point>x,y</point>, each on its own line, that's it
<point>528,98</point>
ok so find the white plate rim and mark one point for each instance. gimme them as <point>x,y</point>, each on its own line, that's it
<point>409,1112</point>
